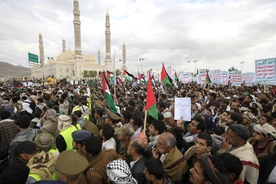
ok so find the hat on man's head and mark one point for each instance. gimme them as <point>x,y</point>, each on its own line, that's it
<point>64,118</point>
<point>266,129</point>
<point>112,115</point>
<point>249,116</point>
<point>45,141</point>
<point>126,131</point>
<point>213,173</point>
<point>227,98</point>
<point>51,112</point>
<point>167,114</point>
<point>243,109</point>
<point>71,163</point>
<point>99,104</point>
<point>258,105</point>
<point>80,135</point>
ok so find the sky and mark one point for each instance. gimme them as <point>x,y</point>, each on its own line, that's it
<point>218,34</point>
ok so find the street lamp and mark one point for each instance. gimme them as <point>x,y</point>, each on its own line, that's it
<point>195,61</point>
<point>141,59</point>
<point>188,65</point>
<point>241,65</point>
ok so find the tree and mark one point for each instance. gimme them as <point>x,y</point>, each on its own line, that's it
<point>85,73</point>
<point>92,73</point>
<point>118,72</point>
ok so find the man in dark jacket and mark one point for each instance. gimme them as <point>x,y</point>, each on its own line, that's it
<point>136,150</point>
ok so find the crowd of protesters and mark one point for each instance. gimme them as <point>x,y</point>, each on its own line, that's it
<point>67,134</point>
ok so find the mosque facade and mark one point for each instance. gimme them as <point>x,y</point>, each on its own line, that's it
<point>72,63</point>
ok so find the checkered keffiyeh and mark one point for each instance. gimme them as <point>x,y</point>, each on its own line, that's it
<point>118,171</point>
<point>250,117</point>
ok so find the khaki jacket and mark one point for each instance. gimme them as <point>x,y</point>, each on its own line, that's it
<point>96,171</point>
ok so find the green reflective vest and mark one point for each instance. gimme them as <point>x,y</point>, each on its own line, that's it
<point>54,150</point>
<point>78,126</point>
<point>67,136</point>
<point>35,176</point>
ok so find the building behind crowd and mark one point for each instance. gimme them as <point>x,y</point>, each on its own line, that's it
<point>72,63</point>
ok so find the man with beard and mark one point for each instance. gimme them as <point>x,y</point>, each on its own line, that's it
<point>64,138</point>
<point>78,137</point>
<point>42,165</point>
<point>237,137</point>
<point>208,169</point>
<point>98,158</point>
<point>234,118</point>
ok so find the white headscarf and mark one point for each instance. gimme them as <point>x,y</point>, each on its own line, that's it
<point>26,107</point>
<point>266,129</point>
<point>119,172</point>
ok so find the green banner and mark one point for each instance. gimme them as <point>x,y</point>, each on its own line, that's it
<point>32,57</point>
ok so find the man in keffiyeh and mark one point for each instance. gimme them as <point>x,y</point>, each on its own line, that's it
<point>209,169</point>
<point>118,172</point>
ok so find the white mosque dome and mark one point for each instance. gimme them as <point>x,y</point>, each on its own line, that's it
<point>90,58</point>
<point>69,54</point>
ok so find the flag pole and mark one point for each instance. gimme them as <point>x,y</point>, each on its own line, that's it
<point>114,76</point>
<point>145,121</point>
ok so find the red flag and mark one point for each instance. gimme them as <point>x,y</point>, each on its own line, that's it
<point>140,76</point>
<point>165,78</point>
<point>150,100</point>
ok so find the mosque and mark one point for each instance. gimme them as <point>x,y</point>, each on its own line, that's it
<point>72,64</point>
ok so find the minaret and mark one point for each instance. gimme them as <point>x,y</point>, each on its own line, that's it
<point>41,49</point>
<point>124,56</point>
<point>63,45</point>
<point>108,61</point>
<point>99,57</point>
<point>77,29</point>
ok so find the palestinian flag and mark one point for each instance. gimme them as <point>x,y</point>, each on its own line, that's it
<point>119,81</point>
<point>150,100</point>
<point>229,82</point>
<point>107,95</point>
<point>19,86</point>
<point>141,78</point>
<point>165,78</point>
<point>109,75</point>
<point>126,76</point>
<point>176,77</point>
<point>208,80</point>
